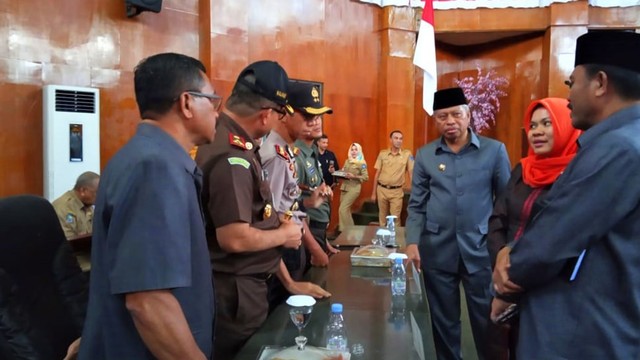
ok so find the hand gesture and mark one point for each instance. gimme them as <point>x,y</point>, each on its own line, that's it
<point>292,234</point>
<point>316,199</point>
<point>73,350</point>
<point>331,250</point>
<point>413,255</point>
<point>307,288</point>
<point>321,259</point>
<point>498,306</point>
<point>326,190</point>
<point>501,282</point>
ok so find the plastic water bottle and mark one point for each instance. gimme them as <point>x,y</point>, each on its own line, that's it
<point>398,278</point>
<point>336,332</point>
<point>391,226</point>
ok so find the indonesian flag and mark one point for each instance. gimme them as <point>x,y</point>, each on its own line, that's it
<point>425,56</point>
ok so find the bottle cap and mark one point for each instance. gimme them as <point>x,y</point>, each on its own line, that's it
<point>336,308</point>
<point>398,260</point>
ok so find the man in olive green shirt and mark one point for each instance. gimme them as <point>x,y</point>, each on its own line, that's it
<point>391,166</point>
<point>75,207</point>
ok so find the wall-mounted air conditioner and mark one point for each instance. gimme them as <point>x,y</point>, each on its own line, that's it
<point>71,136</point>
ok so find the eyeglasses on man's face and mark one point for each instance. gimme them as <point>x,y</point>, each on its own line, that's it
<point>281,112</point>
<point>216,100</point>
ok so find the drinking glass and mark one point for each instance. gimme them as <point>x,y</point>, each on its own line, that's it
<point>300,310</point>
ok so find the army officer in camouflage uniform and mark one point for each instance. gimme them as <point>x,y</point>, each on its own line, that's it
<point>305,99</point>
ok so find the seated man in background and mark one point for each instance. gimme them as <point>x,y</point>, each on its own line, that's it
<point>75,207</point>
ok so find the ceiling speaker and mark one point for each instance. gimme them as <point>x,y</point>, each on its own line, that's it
<point>135,7</point>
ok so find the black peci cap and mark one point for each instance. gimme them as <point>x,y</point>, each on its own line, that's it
<point>447,98</point>
<point>615,48</point>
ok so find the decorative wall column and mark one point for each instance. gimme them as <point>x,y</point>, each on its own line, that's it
<point>567,21</point>
<point>397,74</point>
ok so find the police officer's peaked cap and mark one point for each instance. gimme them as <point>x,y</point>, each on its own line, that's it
<point>271,81</point>
<point>615,48</point>
<point>447,98</point>
<point>306,98</point>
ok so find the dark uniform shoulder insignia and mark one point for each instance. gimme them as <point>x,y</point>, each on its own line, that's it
<point>240,142</point>
<point>282,152</point>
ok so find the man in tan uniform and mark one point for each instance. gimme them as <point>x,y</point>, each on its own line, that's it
<point>391,166</point>
<point>75,207</point>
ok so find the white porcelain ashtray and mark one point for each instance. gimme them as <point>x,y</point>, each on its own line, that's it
<point>301,300</point>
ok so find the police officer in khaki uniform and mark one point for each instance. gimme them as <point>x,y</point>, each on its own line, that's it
<point>356,170</point>
<point>75,207</point>
<point>245,234</point>
<point>305,99</point>
<point>278,160</point>
<point>391,166</point>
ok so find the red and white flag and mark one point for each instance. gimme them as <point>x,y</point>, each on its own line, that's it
<point>425,56</point>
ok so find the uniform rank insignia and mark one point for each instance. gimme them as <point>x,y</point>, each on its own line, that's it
<point>310,169</point>
<point>296,151</point>
<point>240,142</point>
<point>282,152</point>
<point>293,169</point>
<point>290,152</point>
<point>70,218</point>
<point>267,211</point>
<point>239,161</point>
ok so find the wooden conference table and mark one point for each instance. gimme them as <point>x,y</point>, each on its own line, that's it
<point>387,327</point>
<point>359,235</point>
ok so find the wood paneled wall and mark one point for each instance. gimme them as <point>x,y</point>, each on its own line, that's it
<point>361,53</point>
<point>80,43</point>
<point>519,60</point>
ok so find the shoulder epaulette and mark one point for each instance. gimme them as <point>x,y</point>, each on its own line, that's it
<point>282,152</point>
<point>240,142</point>
<point>289,150</point>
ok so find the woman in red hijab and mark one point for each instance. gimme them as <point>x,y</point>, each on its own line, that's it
<point>552,145</point>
